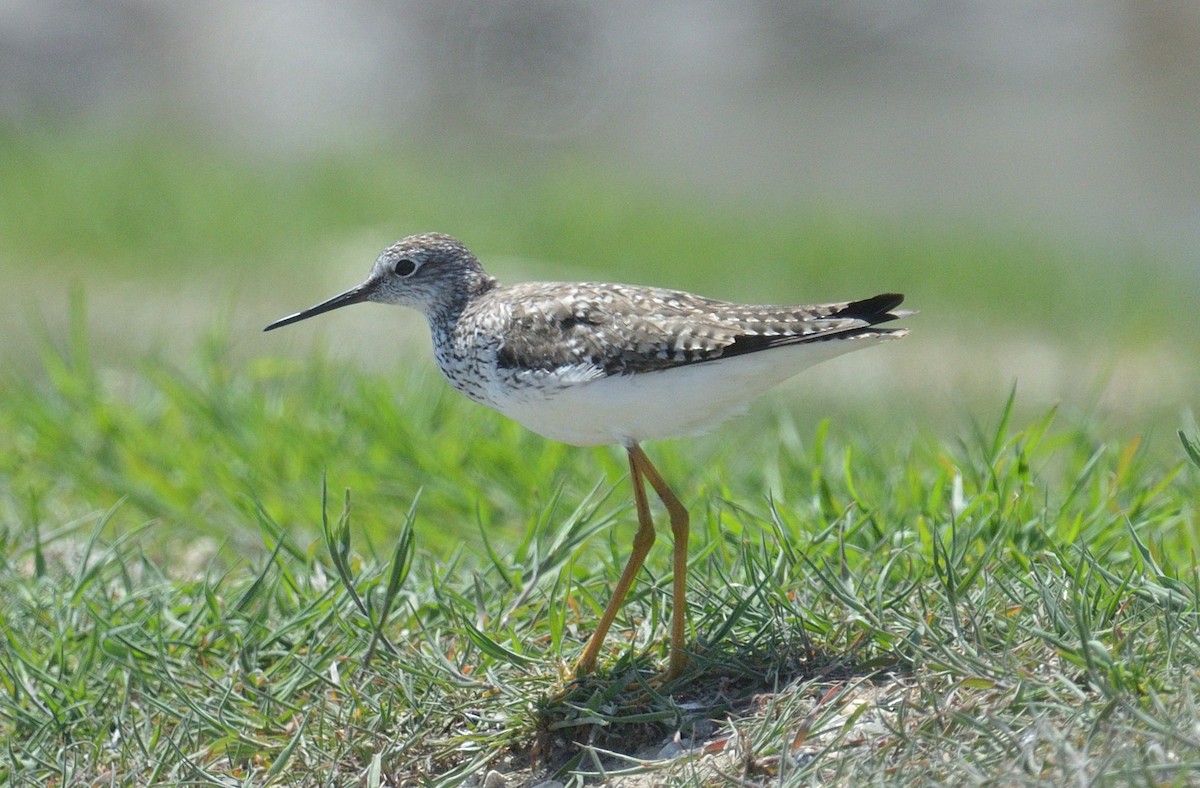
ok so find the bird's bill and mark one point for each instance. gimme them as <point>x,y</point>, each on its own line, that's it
<point>355,295</point>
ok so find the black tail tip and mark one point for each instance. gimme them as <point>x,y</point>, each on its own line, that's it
<point>874,309</point>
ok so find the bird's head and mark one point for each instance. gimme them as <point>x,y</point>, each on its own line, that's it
<point>432,272</point>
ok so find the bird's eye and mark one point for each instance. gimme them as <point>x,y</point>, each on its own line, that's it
<point>405,267</point>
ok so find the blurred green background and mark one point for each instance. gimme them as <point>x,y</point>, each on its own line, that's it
<point>1029,177</point>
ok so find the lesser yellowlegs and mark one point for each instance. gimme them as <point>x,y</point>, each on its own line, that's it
<point>590,364</point>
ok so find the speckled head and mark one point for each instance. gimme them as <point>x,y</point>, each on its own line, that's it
<point>431,272</point>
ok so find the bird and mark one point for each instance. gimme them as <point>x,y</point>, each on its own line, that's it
<point>592,364</point>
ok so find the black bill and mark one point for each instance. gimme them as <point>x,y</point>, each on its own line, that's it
<point>355,295</point>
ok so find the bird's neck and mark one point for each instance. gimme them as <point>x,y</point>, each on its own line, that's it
<point>445,313</point>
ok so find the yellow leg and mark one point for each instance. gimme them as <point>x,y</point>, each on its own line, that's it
<point>642,542</point>
<point>679,530</point>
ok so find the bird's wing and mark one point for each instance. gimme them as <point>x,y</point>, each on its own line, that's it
<point>618,329</point>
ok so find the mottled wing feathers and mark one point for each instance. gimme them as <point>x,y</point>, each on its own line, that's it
<point>821,322</point>
<point>618,329</point>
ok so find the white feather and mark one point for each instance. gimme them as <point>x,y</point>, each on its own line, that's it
<point>668,403</point>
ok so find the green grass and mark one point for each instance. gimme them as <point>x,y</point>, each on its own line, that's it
<point>221,564</point>
<point>182,601</point>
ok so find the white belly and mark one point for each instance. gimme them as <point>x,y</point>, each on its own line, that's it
<point>684,400</point>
